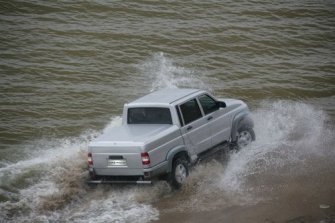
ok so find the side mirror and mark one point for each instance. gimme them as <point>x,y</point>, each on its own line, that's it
<point>221,104</point>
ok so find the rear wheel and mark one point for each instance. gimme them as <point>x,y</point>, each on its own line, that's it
<point>179,172</point>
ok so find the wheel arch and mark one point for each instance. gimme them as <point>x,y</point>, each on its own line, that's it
<point>174,153</point>
<point>241,119</point>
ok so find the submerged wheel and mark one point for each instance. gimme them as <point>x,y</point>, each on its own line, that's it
<point>245,136</point>
<point>179,172</point>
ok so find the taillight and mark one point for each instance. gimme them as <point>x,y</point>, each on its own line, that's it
<point>145,158</point>
<point>89,160</point>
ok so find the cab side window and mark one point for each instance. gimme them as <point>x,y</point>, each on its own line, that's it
<point>190,111</point>
<point>208,104</point>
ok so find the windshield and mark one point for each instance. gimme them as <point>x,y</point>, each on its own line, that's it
<point>149,116</point>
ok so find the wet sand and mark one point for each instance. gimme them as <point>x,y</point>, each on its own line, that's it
<point>267,213</point>
<point>290,206</point>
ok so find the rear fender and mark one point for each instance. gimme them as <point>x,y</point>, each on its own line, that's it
<point>171,154</point>
<point>241,119</point>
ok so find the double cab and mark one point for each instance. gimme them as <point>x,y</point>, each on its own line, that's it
<point>164,133</point>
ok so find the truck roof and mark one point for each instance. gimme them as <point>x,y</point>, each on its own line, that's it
<point>166,96</point>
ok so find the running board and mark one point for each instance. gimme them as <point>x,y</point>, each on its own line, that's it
<point>213,151</point>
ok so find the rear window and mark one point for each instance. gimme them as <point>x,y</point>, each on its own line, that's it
<point>149,116</point>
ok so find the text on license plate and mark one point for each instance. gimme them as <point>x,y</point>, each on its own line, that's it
<point>122,162</point>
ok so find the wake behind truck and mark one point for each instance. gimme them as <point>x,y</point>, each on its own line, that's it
<point>164,133</point>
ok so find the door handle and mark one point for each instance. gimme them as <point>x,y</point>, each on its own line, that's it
<point>189,127</point>
<point>209,118</point>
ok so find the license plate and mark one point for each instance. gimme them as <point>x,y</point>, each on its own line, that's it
<point>122,162</point>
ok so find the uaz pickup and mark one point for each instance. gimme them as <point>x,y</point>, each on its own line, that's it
<point>163,133</point>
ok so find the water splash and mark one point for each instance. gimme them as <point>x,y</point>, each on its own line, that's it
<point>288,135</point>
<point>292,138</point>
<point>51,186</point>
<point>162,72</point>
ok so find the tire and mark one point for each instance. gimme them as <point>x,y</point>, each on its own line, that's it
<point>245,135</point>
<point>179,172</point>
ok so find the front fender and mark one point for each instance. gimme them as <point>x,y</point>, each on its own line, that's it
<point>241,119</point>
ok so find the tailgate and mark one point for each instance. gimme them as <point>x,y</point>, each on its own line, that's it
<point>116,157</point>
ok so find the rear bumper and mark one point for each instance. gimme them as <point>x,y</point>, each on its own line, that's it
<point>127,176</point>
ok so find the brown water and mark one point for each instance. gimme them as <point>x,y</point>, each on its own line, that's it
<point>66,69</point>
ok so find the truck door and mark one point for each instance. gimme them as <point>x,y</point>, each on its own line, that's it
<point>195,130</point>
<point>218,119</point>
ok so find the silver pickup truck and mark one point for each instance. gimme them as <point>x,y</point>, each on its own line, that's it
<point>164,133</point>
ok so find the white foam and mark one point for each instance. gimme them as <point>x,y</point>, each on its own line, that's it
<point>114,206</point>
